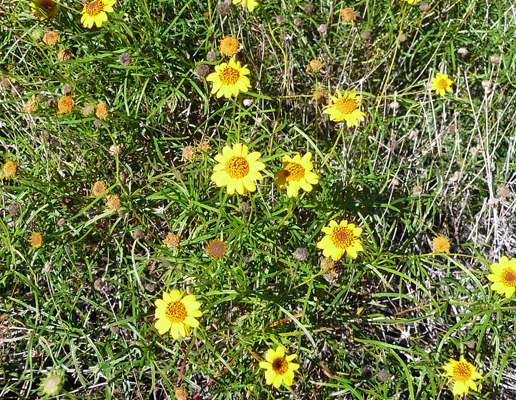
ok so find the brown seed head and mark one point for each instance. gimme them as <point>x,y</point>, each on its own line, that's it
<point>67,88</point>
<point>181,393</point>
<point>462,52</point>
<point>309,8</point>
<point>98,188</point>
<point>300,254</point>
<point>65,105</point>
<point>139,234</point>
<point>245,207</point>
<point>424,7</point>
<point>486,84</point>
<point>322,29</point>
<point>502,192</point>
<point>216,249</point>
<point>366,35</point>
<point>202,70</point>
<point>172,241</point>
<point>98,285</point>
<point>14,209</point>
<point>6,83</point>
<point>113,202</point>
<point>383,376</point>
<point>52,103</point>
<point>211,56</point>
<point>314,66</point>
<point>64,55</point>
<point>88,109</point>
<point>52,38</point>
<point>125,59</point>
<point>102,111</point>
<point>223,8</point>
<point>348,15</point>
<point>280,20</point>
<point>189,152</point>
<point>298,22</point>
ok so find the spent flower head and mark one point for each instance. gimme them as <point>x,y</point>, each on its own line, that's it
<point>229,45</point>
<point>441,244</point>
<point>36,240</point>
<point>9,169</point>
<point>44,8</point>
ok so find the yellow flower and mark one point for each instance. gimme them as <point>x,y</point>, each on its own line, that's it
<point>229,45</point>
<point>441,84</point>
<point>35,240</point>
<point>412,1</point>
<point>348,15</point>
<point>94,12</point>
<point>251,4</point>
<point>345,108</point>
<point>278,367</point>
<point>296,173</point>
<point>216,249</point>
<point>177,314</point>
<point>9,170</point>
<point>229,79</point>
<point>102,111</point>
<point>463,373</point>
<point>339,239</point>
<point>237,170</point>
<point>65,105</point>
<point>44,8</point>
<point>503,276</point>
<point>441,244</point>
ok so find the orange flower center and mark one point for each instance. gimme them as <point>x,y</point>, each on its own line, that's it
<point>216,249</point>
<point>47,5</point>
<point>442,84</point>
<point>293,171</point>
<point>280,365</point>
<point>237,167</point>
<point>94,8</point>
<point>176,312</point>
<point>508,276</point>
<point>342,237</point>
<point>462,372</point>
<point>229,76</point>
<point>346,105</point>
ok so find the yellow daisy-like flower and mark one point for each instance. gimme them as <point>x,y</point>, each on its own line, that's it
<point>441,84</point>
<point>229,79</point>
<point>296,173</point>
<point>345,108</point>
<point>237,170</point>
<point>339,239</point>
<point>94,12</point>
<point>229,45</point>
<point>412,1</point>
<point>177,314</point>
<point>463,373</point>
<point>44,8</point>
<point>278,367</point>
<point>9,170</point>
<point>441,244</point>
<point>250,4</point>
<point>35,240</point>
<point>503,276</point>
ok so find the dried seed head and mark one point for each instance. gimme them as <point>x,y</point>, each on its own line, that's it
<point>424,7</point>
<point>65,105</point>
<point>393,144</point>
<point>87,109</point>
<point>417,190</point>
<point>102,111</point>
<point>98,124</point>
<point>486,84</point>
<point>14,209</point>
<point>394,105</point>
<point>52,103</point>
<point>462,52</point>
<point>189,152</point>
<point>298,22</point>
<point>47,268</point>
<point>395,182</point>
<point>366,35</point>
<point>67,88</point>
<point>245,207</point>
<point>98,285</point>
<point>474,151</point>
<point>16,91</point>
<point>403,38</point>
<point>64,55</point>
<point>52,384</point>
<point>314,66</point>
<point>113,202</point>
<point>348,15</point>
<point>9,169</point>
<point>205,146</point>
<point>309,8</point>
<point>98,188</point>
<point>280,20</point>
<point>139,234</point>
<point>51,38</point>
<point>502,192</point>
<point>203,70</point>
<point>125,59</point>
<point>211,56</point>
<point>300,254</point>
<point>223,8</point>
<point>181,393</point>
<point>172,241</point>
<point>323,28</point>
<point>6,83</point>
<point>441,244</point>
<point>495,59</point>
<point>383,376</point>
<point>30,106</point>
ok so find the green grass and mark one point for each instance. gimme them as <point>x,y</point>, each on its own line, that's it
<point>417,167</point>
